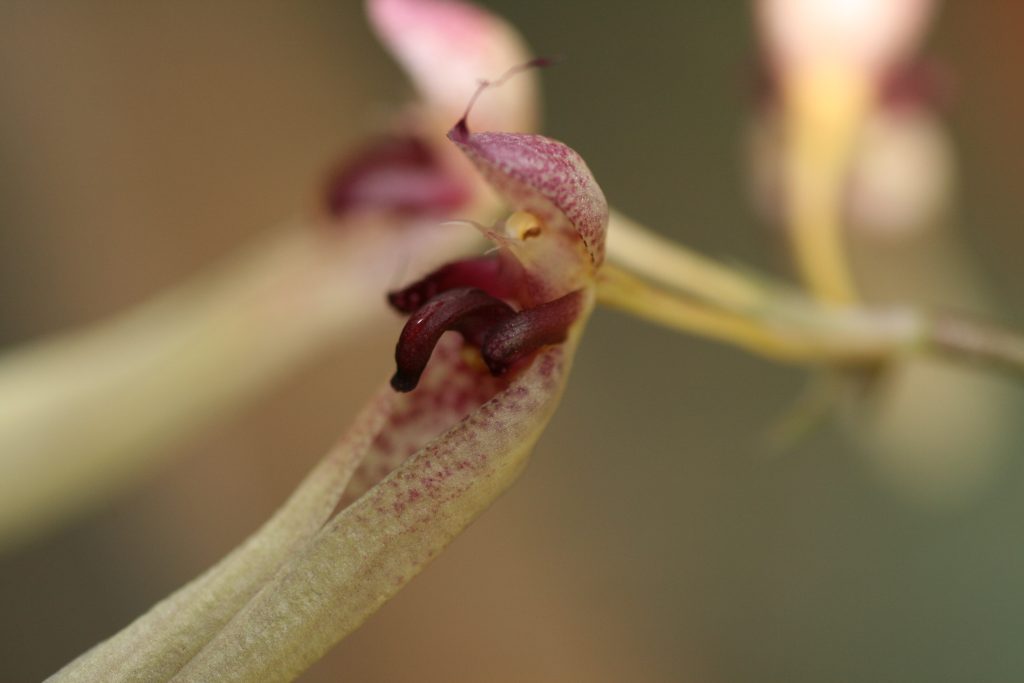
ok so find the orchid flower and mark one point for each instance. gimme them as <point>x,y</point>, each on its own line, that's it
<point>481,365</point>
<point>145,374</point>
<point>470,410</point>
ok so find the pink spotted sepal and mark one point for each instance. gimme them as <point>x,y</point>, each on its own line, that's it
<point>549,181</point>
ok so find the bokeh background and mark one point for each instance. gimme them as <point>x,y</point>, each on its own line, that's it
<point>654,537</point>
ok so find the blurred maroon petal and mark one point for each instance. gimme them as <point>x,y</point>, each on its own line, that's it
<point>395,174</point>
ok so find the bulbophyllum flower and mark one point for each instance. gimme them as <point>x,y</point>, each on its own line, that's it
<point>145,373</point>
<point>435,453</point>
<point>481,365</point>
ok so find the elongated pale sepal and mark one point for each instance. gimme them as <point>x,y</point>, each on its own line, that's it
<point>447,46</point>
<point>155,374</point>
<point>392,427</point>
<point>156,645</point>
<point>376,545</point>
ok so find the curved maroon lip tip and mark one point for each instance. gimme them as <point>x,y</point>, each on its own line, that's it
<point>469,311</point>
<point>450,300</point>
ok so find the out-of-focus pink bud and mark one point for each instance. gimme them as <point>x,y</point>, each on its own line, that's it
<point>863,34</point>
<point>447,46</point>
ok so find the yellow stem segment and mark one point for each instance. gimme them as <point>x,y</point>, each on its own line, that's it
<point>788,330</point>
<point>825,107</point>
<point>639,250</point>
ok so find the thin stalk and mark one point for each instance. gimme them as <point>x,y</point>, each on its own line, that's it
<point>824,109</point>
<point>788,330</point>
<point>642,251</point>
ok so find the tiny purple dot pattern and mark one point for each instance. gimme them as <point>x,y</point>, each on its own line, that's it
<point>545,177</point>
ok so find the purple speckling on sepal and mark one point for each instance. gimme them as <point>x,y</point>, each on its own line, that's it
<point>543,176</point>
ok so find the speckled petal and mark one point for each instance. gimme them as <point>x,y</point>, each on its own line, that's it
<point>447,46</point>
<point>453,386</point>
<point>544,177</point>
<point>369,551</point>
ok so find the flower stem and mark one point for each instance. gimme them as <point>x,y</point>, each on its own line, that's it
<point>640,250</point>
<point>973,341</point>
<point>824,108</point>
<point>784,328</point>
<point>696,294</point>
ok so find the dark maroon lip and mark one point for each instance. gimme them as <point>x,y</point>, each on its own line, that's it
<point>469,297</point>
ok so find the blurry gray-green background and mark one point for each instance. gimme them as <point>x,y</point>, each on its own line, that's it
<point>653,538</point>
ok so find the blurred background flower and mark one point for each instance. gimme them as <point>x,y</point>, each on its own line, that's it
<point>647,541</point>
